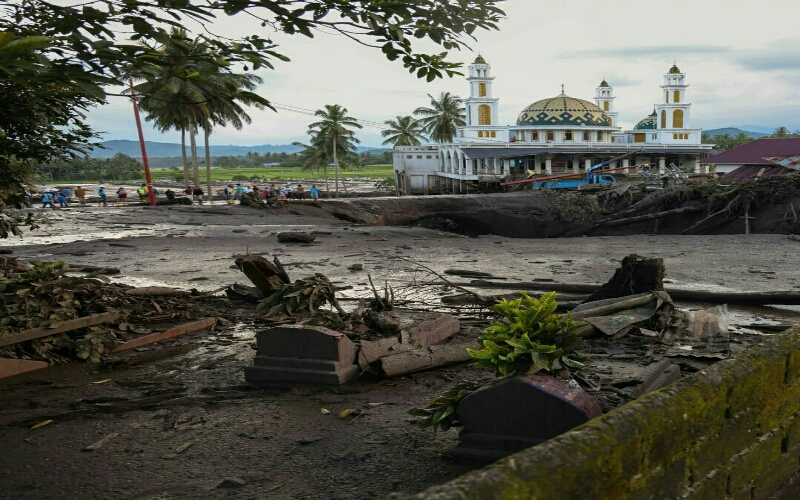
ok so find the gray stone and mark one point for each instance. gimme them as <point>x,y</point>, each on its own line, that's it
<point>231,482</point>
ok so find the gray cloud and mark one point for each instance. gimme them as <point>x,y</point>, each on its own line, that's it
<point>663,51</point>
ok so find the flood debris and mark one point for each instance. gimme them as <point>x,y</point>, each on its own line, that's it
<point>296,237</point>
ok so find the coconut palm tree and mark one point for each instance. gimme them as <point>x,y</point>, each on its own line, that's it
<point>781,132</point>
<point>333,130</point>
<point>403,131</point>
<point>441,119</point>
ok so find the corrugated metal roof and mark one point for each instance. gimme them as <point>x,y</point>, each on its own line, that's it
<point>611,149</point>
<point>752,171</point>
<point>753,153</point>
<point>786,161</point>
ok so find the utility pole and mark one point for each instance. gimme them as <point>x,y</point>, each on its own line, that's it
<point>145,162</point>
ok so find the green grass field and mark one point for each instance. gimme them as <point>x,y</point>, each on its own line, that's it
<point>276,173</point>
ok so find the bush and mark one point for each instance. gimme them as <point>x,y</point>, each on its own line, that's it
<point>240,177</point>
<point>386,184</point>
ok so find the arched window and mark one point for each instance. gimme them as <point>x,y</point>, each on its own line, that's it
<point>481,89</point>
<point>663,118</point>
<point>494,134</point>
<point>484,115</point>
<point>674,136</point>
<point>677,96</point>
<point>677,118</point>
<point>667,96</point>
<point>480,133</point>
<point>605,106</point>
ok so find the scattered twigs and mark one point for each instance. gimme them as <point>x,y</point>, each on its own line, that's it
<point>442,278</point>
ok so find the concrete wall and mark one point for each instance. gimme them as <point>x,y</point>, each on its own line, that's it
<point>730,431</point>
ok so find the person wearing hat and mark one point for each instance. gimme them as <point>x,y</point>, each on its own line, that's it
<point>101,192</point>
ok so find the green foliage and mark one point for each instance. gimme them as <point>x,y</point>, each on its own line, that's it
<point>528,337</point>
<point>403,131</point>
<point>117,168</point>
<point>386,184</point>
<point>440,121</point>
<point>440,412</point>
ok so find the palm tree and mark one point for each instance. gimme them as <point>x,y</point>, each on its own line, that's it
<point>404,131</point>
<point>781,132</point>
<point>442,118</point>
<point>332,130</point>
<point>227,93</point>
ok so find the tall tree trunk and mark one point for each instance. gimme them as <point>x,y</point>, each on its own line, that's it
<point>185,157</point>
<point>325,173</point>
<point>193,143</point>
<point>335,166</point>
<point>207,132</point>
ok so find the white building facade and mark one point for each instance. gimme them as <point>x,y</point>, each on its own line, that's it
<point>561,134</point>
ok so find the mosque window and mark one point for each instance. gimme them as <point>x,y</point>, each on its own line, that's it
<point>675,136</point>
<point>481,89</point>
<point>568,136</point>
<point>587,136</point>
<point>534,136</point>
<point>655,136</point>
<point>666,96</point>
<point>428,157</point>
<point>677,96</point>
<point>494,133</point>
<point>480,133</point>
<point>605,106</point>
<point>419,157</point>
<point>599,137</point>
<point>677,118</point>
<point>409,157</point>
<point>551,136</point>
<point>484,115</point>
<point>639,137</point>
<point>663,118</point>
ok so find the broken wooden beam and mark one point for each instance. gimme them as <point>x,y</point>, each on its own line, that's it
<point>155,291</point>
<point>194,326</point>
<point>10,367</point>
<point>268,277</point>
<point>66,326</point>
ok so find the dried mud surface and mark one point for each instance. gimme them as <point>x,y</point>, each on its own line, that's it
<point>280,443</point>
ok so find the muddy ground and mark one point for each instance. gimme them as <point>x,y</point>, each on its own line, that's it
<point>279,442</point>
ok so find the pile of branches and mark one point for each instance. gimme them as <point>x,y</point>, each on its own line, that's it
<point>572,207</point>
<point>41,295</point>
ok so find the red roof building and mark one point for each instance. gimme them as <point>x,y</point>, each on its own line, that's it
<point>759,153</point>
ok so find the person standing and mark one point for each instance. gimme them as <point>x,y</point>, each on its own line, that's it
<point>170,194</point>
<point>239,191</point>
<point>63,201</point>
<point>47,199</point>
<point>300,192</point>
<point>81,194</point>
<point>122,196</point>
<point>198,194</point>
<point>67,192</point>
<point>142,192</point>
<point>101,192</point>
<point>314,193</point>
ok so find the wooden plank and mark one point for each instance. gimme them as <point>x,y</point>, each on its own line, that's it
<point>67,326</point>
<point>10,367</point>
<point>167,334</point>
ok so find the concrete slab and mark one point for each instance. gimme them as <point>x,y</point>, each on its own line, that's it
<point>427,332</point>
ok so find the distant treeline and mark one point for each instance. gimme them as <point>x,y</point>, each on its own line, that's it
<point>124,167</point>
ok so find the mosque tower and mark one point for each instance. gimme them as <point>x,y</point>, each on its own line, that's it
<point>673,111</point>
<point>604,98</point>
<point>481,107</point>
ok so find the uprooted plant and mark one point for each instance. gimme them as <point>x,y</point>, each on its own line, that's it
<point>527,337</point>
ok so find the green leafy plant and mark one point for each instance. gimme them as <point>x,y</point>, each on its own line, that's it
<point>440,412</point>
<point>528,337</point>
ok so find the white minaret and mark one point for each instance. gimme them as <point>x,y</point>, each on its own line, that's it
<point>604,98</point>
<point>481,107</point>
<point>673,112</point>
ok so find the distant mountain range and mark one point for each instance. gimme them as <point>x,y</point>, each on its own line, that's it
<point>733,132</point>
<point>168,149</point>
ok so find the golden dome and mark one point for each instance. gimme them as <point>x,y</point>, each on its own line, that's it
<point>674,70</point>
<point>480,60</point>
<point>563,110</point>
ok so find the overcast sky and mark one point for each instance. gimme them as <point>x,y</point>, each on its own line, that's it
<point>742,61</point>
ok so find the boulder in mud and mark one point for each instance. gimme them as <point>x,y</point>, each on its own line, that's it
<point>296,237</point>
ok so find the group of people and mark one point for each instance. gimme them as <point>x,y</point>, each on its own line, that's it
<point>285,193</point>
<point>64,195</point>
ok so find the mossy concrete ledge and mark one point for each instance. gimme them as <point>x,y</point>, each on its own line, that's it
<point>730,431</point>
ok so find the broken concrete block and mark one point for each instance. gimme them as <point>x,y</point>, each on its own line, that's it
<point>519,412</point>
<point>635,275</point>
<point>429,331</point>
<point>303,354</point>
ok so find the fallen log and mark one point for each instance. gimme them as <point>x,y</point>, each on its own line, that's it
<point>566,302</point>
<point>155,291</point>
<point>786,297</point>
<point>657,215</point>
<point>66,326</point>
<point>268,277</point>
<point>10,367</point>
<point>426,358</point>
<point>794,237</point>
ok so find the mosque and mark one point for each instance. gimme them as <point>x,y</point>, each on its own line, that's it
<point>560,134</point>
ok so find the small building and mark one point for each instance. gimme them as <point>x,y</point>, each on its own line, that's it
<point>761,153</point>
<point>559,134</point>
